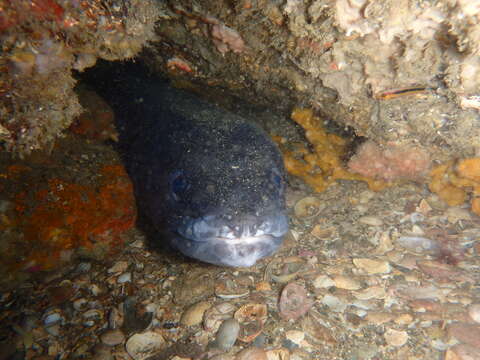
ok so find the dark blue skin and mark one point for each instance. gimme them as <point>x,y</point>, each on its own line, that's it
<point>212,181</point>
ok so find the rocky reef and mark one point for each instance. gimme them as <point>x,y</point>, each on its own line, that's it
<point>401,73</point>
<point>43,43</point>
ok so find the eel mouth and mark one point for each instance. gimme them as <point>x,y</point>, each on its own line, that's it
<point>238,252</point>
<point>237,244</point>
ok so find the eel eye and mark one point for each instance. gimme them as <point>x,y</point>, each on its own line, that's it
<point>179,185</point>
<point>277,179</point>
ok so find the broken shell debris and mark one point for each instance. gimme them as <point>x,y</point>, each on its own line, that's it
<point>382,282</point>
<point>387,274</point>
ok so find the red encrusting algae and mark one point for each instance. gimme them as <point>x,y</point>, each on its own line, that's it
<point>66,217</point>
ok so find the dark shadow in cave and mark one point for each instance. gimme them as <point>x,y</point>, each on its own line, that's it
<point>120,83</point>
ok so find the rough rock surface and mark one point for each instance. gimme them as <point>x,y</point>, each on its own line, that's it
<point>402,73</point>
<point>43,43</point>
<point>399,72</point>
